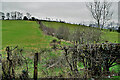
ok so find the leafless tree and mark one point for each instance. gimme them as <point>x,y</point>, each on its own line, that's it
<point>19,15</point>
<point>107,15</point>
<point>8,15</point>
<point>28,15</point>
<point>16,15</point>
<point>13,15</point>
<point>100,11</point>
<point>2,15</point>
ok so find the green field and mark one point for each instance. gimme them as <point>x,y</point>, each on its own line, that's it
<point>24,34</point>
<point>112,36</point>
<point>27,34</point>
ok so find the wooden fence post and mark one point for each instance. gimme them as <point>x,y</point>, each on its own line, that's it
<point>8,58</point>
<point>35,65</point>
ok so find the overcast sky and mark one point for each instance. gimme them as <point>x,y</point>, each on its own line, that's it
<point>75,12</point>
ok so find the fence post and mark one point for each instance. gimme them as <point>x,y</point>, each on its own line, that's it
<point>35,65</point>
<point>10,62</point>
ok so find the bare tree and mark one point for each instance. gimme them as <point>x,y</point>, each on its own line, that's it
<point>18,15</point>
<point>21,15</point>
<point>13,15</point>
<point>2,15</point>
<point>100,11</point>
<point>28,15</point>
<point>107,15</point>
<point>8,15</point>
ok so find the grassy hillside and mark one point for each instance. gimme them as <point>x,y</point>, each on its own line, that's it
<point>107,35</point>
<point>28,35</point>
<point>25,34</point>
<point>111,36</point>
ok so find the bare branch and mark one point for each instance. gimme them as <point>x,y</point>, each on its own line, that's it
<point>100,11</point>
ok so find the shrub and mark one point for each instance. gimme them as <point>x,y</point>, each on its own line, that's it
<point>96,58</point>
<point>87,35</point>
<point>14,59</point>
<point>62,33</point>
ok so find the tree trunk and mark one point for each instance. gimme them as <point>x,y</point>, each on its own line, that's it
<point>98,23</point>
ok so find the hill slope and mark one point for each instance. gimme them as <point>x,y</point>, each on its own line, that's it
<point>23,33</point>
<point>107,35</point>
<point>28,35</point>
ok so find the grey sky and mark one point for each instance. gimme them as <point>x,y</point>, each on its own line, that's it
<point>54,0</point>
<point>75,12</point>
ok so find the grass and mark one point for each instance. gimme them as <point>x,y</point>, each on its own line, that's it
<point>25,34</point>
<point>115,68</point>
<point>107,35</point>
<point>28,35</point>
<point>111,36</point>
